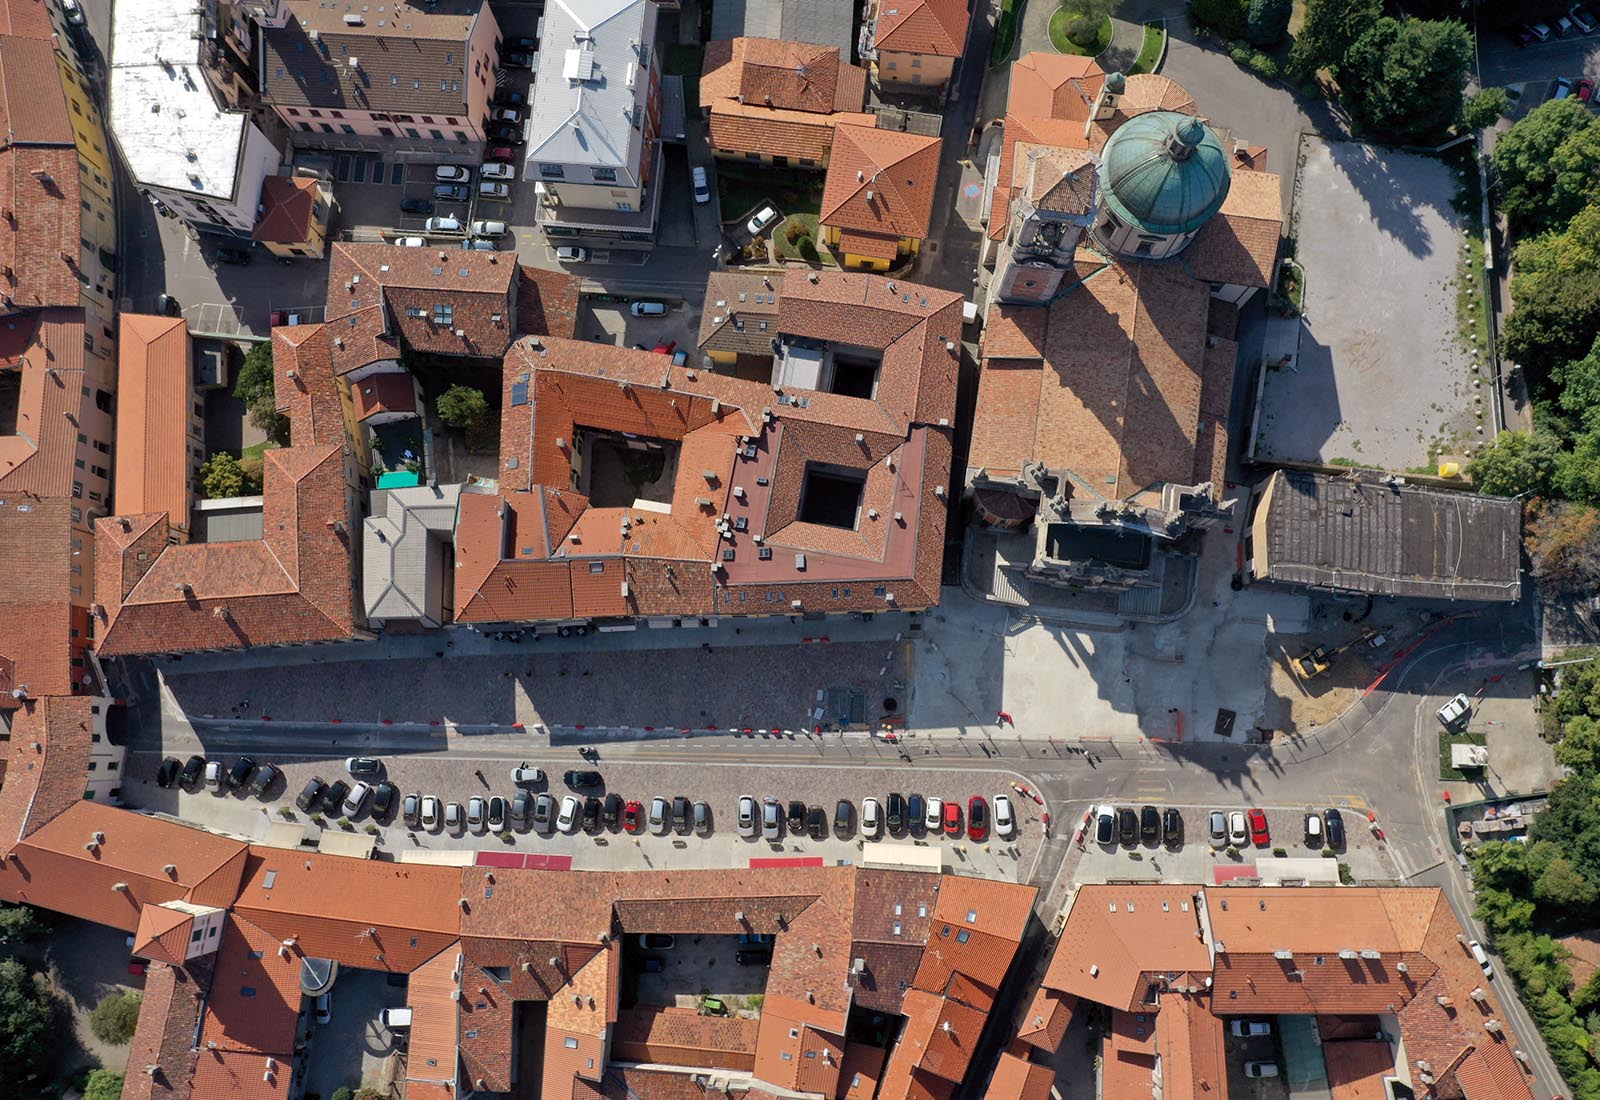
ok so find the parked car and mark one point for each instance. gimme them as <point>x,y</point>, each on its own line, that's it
<point>664,347</point>
<point>660,821</point>
<point>488,229</point>
<point>1127,826</point>
<point>895,815</point>
<point>451,173</point>
<point>451,192</point>
<point>1457,712</point>
<point>952,819</point>
<point>383,801</point>
<point>397,1018</point>
<point>1149,824</point>
<point>1314,837</point>
<point>511,98</point>
<point>1258,829</point>
<point>977,818</point>
<point>497,814</point>
<point>169,771</point>
<point>544,812</point>
<point>73,12</point>
<point>452,817</point>
<point>1585,89</point>
<point>1171,827</point>
<point>680,357</point>
<point>214,776</point>
<point>356,800</point>
<point>816,823</point>
<point>324,1008</point>
<point>521,809</point>
<point>702,818</point>
<point>333,798</point>
<point>411,810</point>
<point>1481,957</point>
<point>263,778</point>
<point>1005,818</point>
<point>571,811</point>
<point>447,223</point>
<point>311,794</point>
<point>591,814</point>
<point>574,254</point>
<point>238,257</point>
<point>702,186</point>
<point>1105,825</point>
<point>362,767</point>
<point>579,780</point>
<point>1217,823</point>
<point>478,244</point>
<point>611,811</point>
<point>1249,1029</point>
<point>522,42</point>
<point>871,819</point>
<point>168,306</point>
<point>771,820</point>
<point>1563,89</point>
<point>1521,37</point>
<point>239,773</point>
<point>657,941</point>
<point>934,815</point>
<point>760,220</point>
<point>844,818</point>
<point>500,152</point>
<point>632,816</point>
<point>416,206</point>
<point>1334,827</point>
<point>1583,18</point>
<point>430,813</point>
<point>504,133</point>
<point>1541,31</point>
<point>411,242</point>
<point>748,825</point>
<point>1261,1069</point>
<point>526,773</point>
<point>753,956</point>
<point>1238,831</point>
<point>1564,26</point>
<point>506,114</point>
<point>916,814</point>
<point>680,814</point>
<point>648,309</point>
<point>497,170</point>
<point>516,59</point>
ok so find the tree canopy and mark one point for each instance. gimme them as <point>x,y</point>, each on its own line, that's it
<point>115,1017</point>
<point>1484,108</point>
<point>1403,79</point>
<point>222,476</point>
<point>27,1030</point>
<point>1539,164</point>
<point>1556,296</point>
<point>255,385</point>
<point>462,406</point>
<point>1515,463</point>
<point>1331,26</point>
<point>1267,20</point>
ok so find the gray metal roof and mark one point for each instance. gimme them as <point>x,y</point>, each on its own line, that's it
<point>823,22</point>
<point>402,551</point>
<point>592,83</point>
<point>1358,534</point>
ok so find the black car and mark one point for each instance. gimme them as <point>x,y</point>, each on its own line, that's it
<point>510,99</point>
<point>895,815</point>
<point>239,257</point>
<point>194,770</point>
<point>1334,821</point>
<point>1150,824</point>
<point>333,798</point>
<point>797,818</point>
<point>611,814</point>
<point>168,306</point>
<point>516,59</point>
<point>167,774</point>
<point>680,814</point>
<point>363,767</point>
<point>1171,827</point>
<point>844,818</point>
<point>383,801</point>
<point>817,823</point>
<point>311,794</point>
<point>497,814</point>
<point>411,810</point>
<point>916,811</point>
<point>579,780</point>
<point>1127,825</point>
<point>502,133</point>
<point>753,956</point>
<point>520,42</point>
<point>265,776</point>
<point>591,814</point>
<point>450,192</point>
<point>416,206</point>
<point>239,773</point>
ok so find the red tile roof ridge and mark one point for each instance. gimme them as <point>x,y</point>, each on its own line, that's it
<point>881,181</point>
<point>46,768</point>
<point>934,27</point>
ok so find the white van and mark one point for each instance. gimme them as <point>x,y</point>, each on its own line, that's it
<point>649,309</point>
<point>396,1018</point>
<point>1481,957</point>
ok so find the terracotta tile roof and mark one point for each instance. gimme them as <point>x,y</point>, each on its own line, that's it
<point>860,1070</point>
<point>740,128</point>
<point>163,934</point>
<point>38,176</point>
<point>1047,1019</point>
<point>364,913</point>
<point>431,1045</point>
<point>37,547</point>
<point>254,1005</point>
<point>683,1037</point>
<point>1017,1078</point>
<point>740,314</point>
<point>768,72</point>
<point>1152,92</point>
<point>380,293</point>
<point>241,1076</point>
<point>415,61</point>
<point>894,907</point>
<point>169,1018</point>
<point>385,392</point>
<point>1240,244</point>
<point>1190,1043</point>
<point>54,868</point>
<point>1052,85</point>
<point>881,181</point>
<point>633,1083</point>
<point>25,19</point>
<point>47,347</point>
<point>1356,1069</point>
<point>547,302</point>
<point>1014,332</point>
<point>46,763</point>
<point>1022,132</point>
<point>976,930</point>
<point>288,210</point>
<point>155,398</point>
<point>936,27</point>
<point>1160,933</point>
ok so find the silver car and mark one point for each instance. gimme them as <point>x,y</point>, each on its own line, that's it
<point>430,813</point>
<point>772,819</point>
<point>544,812</point>
<point>571,815</point>
<point>747,817</point>
<point>452,817</point>
<point>1218,823</point>
<point>475,813</point>
<point>1238,831</point>
<point>660,819</point>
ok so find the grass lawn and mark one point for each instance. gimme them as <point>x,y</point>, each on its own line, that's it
<point>258,450</point>
<point>1094,47</point>
<point>1154,35</point>
<point>1005,32</point>
<point>742,186</point>
<point>1446,739</point>
<point>795,249</point>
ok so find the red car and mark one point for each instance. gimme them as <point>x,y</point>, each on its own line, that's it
<point>1585,90</point>
<point>952,818</point>
<point>633,816</point>
<point>1258,829</point>
<point>665,347</point>
<point>977,818</point>
<point>500,153</point>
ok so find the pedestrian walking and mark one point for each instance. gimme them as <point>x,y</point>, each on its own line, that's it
<point>1006,719</point>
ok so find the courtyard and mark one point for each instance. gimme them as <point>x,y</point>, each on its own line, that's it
<point>1382,377</point>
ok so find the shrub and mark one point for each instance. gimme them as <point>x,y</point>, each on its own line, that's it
<point>1267,20</point>
<point>1226,17</point>
<point>372,830</point>
<point>344,1092</point>
<point>222,476</point>
<point>808,249</point>
<point>102,1084</point>
<point>18,923</point>
<point>1328,853</point>
<point>1280,852</point>
<point>115,1017</point>
<point>461,406</point>
<point>1345,877</point>
<point>286,813</point>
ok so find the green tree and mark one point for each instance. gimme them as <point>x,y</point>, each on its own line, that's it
<point>1561,886</point>
<point>1267,21</point>
<point>18,923</point>
<point>1579,747</point>
<point>103,1084</point>
<point>115,1017</point>
<point>1085,17</point>
<point>255,385</point>
<point>28,1030</point>
<point>1226,17</point>
<point>462,406</point>
<point>1515,463</point>
<point>1556,297</point>
<point>1525,163</point>
<point>1403,79</point>
<point>222,476</point>
<point>1330,28</point>
<point>1484,108</point>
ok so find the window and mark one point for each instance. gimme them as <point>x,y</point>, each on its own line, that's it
<point>314,114</point>
<point>347,128</point>
<point>412,133</point>
<point>443,314</point>
<point>963,936</point>
<point>552,171</point>
<point>625,207</point>
<point>326,127</point>
<point>415,311</point>
<point>916,62</point>
<point>570,1043</point>
<point>102,401</point>
<point>335,114</point>
<point>436,135</point>
<point>605,175</point>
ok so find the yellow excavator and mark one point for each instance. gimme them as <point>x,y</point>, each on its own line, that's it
<point>1316,662</point>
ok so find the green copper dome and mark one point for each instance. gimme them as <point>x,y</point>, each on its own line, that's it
<point>1164,172</point>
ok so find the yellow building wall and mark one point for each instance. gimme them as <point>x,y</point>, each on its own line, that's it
<point>907,247</point>
<point>919,69</point>
<point>722,358</point>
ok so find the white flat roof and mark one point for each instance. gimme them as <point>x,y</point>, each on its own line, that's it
<point>170,127</point>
